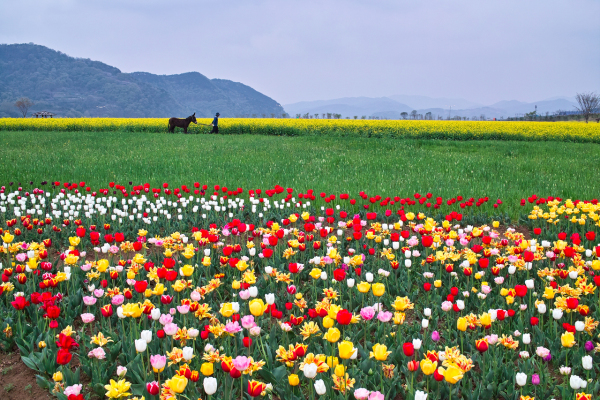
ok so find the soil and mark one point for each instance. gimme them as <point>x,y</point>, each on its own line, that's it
<point>17,382</point>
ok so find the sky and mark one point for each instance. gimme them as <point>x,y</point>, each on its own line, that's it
<point>483,51</point>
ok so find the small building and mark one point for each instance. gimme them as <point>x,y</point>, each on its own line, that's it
<point>42,114</point>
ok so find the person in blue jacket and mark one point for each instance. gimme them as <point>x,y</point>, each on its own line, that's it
<point>215,124</point>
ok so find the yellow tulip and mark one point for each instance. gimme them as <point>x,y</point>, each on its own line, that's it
<point>378,289</point>
<point>332,335</point>
<point>57,376</point>
<point>339,370</point>
<point>363,287</point>
<point>328,322</point>
<point>461,324</point>
<point>159,289</point>
<point>7,237</point>
<point>257,307</point>
<point>596,265</point>
<point>177,383</point>
<point>315,273</point>
<point>333,311</point>
<point>495,224</point>
<point>188,253</point>
<point>102,265</point>
<point>187,270</point>
<point>206,261</point>
<point>485,319</point>
<point>116,390</point>
<point>346,349</point>
<point>32,263</point>
<point>293,380</point>
<point>226,310</point>
<point>207,369</point>
<point>74,241</point>
<point>139,259</point>
<point>427,366</point>
<point>236,285</point>
<point>142,232</point>
<point>452,374</point>
<point>437,284</point>
<point>567,339</point>
<point>380,352</point>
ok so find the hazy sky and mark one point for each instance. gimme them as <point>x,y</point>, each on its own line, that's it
<point>481,50</point>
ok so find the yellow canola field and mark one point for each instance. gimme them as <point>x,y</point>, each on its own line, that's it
<point>450,130</point>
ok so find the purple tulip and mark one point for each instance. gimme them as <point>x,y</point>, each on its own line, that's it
<point>548,358</point>
<point>589,346</point>
<point>535,379</point>
<point>435,336</point>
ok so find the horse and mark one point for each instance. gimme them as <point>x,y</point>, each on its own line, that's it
<point>181,123</point>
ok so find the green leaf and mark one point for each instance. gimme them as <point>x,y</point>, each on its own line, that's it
<point>30,363</point>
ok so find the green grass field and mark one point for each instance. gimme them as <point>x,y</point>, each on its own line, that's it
<point>498,169</point>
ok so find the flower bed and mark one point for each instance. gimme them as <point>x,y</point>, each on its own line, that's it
<point>241,298</point>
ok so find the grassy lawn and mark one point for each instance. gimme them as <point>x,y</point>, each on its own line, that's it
<point>389,167</point>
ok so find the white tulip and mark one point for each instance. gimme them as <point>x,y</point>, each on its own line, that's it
<point>210,385</point>
<point>427,312</point>
<point>425,323</point>
<point>324,275</point>
<point>350,282</point>
<point>521,379</point>
<point>587,363</point>
<point>253,291</point>
<point>526,338</point>
<point>460,304</point>
<point>575,382</point>
<point>146,335</point>
<point>542,308</point>
<point>395,245</point>
<point>188,353</point>
<point>512,269</point>
<point>407,263</point>
<point>310,370</point>
<point>268,270</point>
<point>557,313</point>
<point>320,387</point>
<point>369,277</point>
<point>579,326</point>
<point>573,274</point>
<point>270,298</point>
<point>417,343</point>
<point>236,307</point>
<point>529,283</point>
<point>140,345</point>
<point>419,395</point>
<point>120,312</point>
<point>155,314</point>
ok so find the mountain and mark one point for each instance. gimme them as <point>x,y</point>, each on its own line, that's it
<point>347,106</point>
<point>423,102</point>
<point>391,107</point>
<point>76,87</point>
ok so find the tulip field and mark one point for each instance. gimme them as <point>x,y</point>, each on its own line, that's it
<point>182,267</point>
<point>163,292</point>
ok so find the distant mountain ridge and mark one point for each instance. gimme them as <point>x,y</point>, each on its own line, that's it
<point>76,87</point>
<point>391,107</point>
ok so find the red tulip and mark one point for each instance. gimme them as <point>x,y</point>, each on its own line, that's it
<point>152,388</point>
<point>339,274</point>
<point>247,342</point>
<point>521,290</point>
<point>572,303</point>
<point>408,349</point>
<point>63,357</point>
<point>343,317</point>
<point>140,286</point>
<point>20,303</point>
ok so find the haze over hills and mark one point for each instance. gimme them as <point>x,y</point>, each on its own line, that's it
<point>391,107</point>
<point>76,87</point>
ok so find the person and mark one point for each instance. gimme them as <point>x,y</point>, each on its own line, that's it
<point>215,124</point>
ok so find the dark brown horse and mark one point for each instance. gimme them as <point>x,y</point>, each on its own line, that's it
<point>181,123</point>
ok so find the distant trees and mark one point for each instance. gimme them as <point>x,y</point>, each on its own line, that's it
<point>428,115</point>
<point>587,104</point>
<point>404,114</point>
<point>413,114</point>
<point>24,104</point>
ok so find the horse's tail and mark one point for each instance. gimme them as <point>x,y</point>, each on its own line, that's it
<point>168,125</point>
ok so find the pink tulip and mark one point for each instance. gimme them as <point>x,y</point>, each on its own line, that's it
<point>376,396</point>
<point>87,318</point>
<point>248,321</point>
<point>241,363</point>
<point>361,394</point>
<point>367,313</point>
